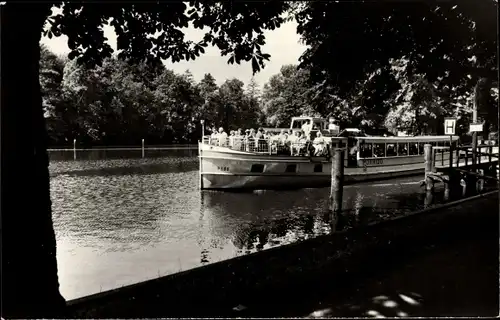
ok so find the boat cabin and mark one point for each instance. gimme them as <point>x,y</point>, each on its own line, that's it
<point>368,148</point>
<point>376,147</point>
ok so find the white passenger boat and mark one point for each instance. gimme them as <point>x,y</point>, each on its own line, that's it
<point>243,164</point>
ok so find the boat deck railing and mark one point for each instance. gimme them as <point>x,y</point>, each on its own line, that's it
<point>272,146</point>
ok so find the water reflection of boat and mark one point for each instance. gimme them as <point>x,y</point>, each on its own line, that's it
<point>260,165</point>
<point>253,220</point>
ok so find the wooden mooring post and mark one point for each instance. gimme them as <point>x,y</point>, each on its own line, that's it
<point>337,186</point>
<point>429,164</point>
<point>453,186</point>
<point>74,149</point>
<point>142,148</point>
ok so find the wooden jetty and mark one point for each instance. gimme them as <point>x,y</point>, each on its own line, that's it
<point>461,168</point>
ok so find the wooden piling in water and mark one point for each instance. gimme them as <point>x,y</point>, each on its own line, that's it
<point>142,147</point>
<point>337,186</point>
<point>74,149</point>
<point>429,183</point>
<point>429,196</point>
<point>453,186</point>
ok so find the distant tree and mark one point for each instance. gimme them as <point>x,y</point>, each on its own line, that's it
<point>285,95</point>
<point>253,101</point>
<point>51,78</point>
<point>210,94</point>
<point>252,89</point>
<point>30,283</point>
<point>235,111</point>
<point>178,100</point>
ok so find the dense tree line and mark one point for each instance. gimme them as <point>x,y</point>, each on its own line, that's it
<point>121,102</point>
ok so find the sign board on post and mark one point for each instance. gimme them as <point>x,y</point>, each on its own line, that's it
<point>449,126</point>
<point>476,127</point>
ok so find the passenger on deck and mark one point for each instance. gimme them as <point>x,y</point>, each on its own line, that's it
<point>231,138</point>
<point>306,129</point>
<point>251,140</point>
<point>319,145</point>
<point>278,142</point>
<point>252,133</point>
<point>282,137</point>
<point>213,136</point>
<point>302,142</point>
<point>267,134</point>
<point>259,134</point>
<point>246,140</point>
<point>290,142</point>
<point>297,143</point>
<point>222,137</point>
<point>262,145</point>
<point>238,140</point>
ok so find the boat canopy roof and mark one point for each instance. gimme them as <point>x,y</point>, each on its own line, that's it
<point>316,119</point>
<point>406,139</point>
<point>351,132</point>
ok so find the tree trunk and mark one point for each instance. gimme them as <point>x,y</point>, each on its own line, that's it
<point>30,287</point>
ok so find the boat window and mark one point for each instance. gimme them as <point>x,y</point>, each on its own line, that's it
<point>338,144</point>
<point>297,124</point>
<point>318,167</point>
<point>366,150</point>
<point>413,148</point>
<point>379,150</point>
<point>402,149</point>
<point>257,168</point>
<point>391,150</point>
<point>421,148</point>
<point>291,168</point>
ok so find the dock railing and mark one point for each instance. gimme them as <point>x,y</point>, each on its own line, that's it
<point>463,155</point>
<point>467,169</point>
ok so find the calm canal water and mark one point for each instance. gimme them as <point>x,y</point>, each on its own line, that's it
<point>122,221</point>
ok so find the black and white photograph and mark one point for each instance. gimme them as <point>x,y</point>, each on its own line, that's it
<point>249,159</point>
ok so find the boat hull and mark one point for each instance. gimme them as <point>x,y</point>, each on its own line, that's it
<point>277,182</point>
<point>225,169</point>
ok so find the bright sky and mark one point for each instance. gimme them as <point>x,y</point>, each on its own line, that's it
<point>282,44</point>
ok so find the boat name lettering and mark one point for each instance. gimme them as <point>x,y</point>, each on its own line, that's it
<point>374,161</point>
<point>223,168</point>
